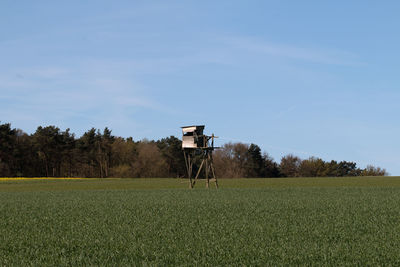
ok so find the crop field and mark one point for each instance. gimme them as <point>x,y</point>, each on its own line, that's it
<point>304,221</point>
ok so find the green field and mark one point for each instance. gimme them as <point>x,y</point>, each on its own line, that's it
<point>305,221</point>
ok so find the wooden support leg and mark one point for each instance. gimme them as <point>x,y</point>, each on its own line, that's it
<point>213,172</point>
<point>192,182</point>
<point>206,162</point>
<point>207,172</point>
<point>215,177</point>
<point>189,165</point>
<point>198,172</point>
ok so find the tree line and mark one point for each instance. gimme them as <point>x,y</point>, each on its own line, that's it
<point>51,152</point>
<point>241,160</point>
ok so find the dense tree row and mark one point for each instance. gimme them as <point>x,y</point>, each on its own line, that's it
<point>242,160</point>
<point>50,152</point>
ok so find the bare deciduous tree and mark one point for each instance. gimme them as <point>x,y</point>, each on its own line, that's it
<point>374,171</point>
<point>149,161</point>
<point>290,165</point>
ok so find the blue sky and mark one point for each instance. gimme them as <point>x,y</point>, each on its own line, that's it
<point>304,77</point>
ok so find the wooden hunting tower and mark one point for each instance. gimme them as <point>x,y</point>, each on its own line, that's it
<point>196,145</point>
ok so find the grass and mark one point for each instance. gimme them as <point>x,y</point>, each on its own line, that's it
<point>326,221</point>
<point>65,184</point>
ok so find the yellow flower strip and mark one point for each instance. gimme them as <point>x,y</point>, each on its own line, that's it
<point>38,178</point>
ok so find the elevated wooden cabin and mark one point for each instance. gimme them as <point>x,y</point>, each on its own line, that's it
<point>193,137</point>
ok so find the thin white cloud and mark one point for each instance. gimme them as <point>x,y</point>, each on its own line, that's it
<point>309,54</point>
<point>283,112</point>
<point>51,95</point>
<point>49,72</point>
